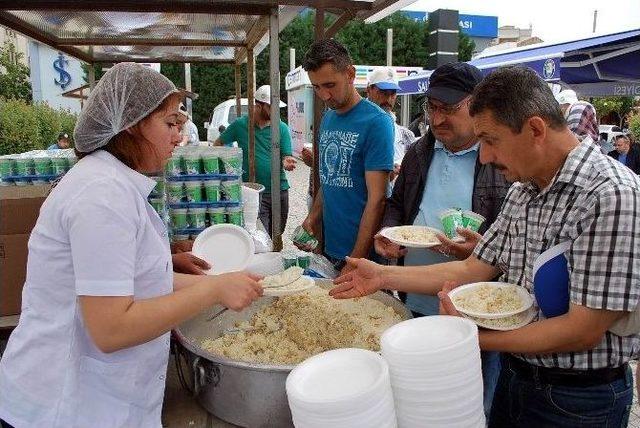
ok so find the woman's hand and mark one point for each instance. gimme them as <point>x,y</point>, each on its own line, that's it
<point>237,290</point>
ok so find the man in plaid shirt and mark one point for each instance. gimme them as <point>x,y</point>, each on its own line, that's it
<point>580,115</point>
<point>568,369</point>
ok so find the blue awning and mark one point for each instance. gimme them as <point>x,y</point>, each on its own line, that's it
<point>585,65</point>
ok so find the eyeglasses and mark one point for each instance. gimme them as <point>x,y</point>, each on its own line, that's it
<point>447,110</point>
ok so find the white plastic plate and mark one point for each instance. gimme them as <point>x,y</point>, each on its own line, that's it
<point>391,234</point>
<point>524,319</point>
<point>524,295</point>
<point>226,247</point>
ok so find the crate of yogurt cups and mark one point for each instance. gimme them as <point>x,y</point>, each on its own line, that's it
<point>205,160</point>
<point>35,167</point>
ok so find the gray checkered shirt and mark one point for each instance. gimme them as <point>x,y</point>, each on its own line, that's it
<point>593,202</point>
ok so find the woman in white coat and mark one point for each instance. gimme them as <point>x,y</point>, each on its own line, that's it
<point>100,298</point>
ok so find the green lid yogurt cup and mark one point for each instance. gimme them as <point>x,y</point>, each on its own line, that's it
<point>175,191</point>
<point>43,166</point>
<point>179,218</point>
<point>59,165</point>
<point>212,190</point>
<point>451,220</point>
<point>231,160</point>
<point>25,166</point>
<point>289,259</point>
<point>217,215</point>
<point>231,189</point>
<point>210,162</point>
<point>193,191</point>
<point>234,215</point>
<point>7,167</point>
<point>192,163</point>
<point>472,220</point>
<point>196,217</point>
<point>174,166</point>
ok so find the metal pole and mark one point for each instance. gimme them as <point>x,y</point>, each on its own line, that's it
<point>404,110</point>
<point>317,118</point>
<point>238,90</point>
<point>276,158</point>
<point>187,86</point>
<point>292,59</point>
<point>251,85</point>
<point>91,76</point>
<point>389,46</point>
<point>595,18</point>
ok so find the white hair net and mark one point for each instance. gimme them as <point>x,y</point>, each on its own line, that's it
<point>125,95</point>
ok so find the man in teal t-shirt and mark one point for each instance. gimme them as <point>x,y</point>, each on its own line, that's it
<point>239,131</point>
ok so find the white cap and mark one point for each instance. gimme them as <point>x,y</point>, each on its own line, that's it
<point>263,94</point>
<point>384,78</point>
<point>567,97</point>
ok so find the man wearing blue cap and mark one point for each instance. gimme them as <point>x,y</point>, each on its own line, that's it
<point>382,90</point>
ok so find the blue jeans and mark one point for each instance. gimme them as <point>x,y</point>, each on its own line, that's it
<point>490,373</point>
<point>521,402</point>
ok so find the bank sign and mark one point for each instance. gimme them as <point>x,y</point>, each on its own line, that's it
<point>471,25</point>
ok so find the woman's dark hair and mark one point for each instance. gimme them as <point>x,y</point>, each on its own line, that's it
<point>514,94</point>
<point>327,51</point>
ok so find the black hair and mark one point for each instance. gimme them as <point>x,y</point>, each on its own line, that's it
<point>327,51</point>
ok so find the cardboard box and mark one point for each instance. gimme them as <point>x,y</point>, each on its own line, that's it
<point>19,210</point>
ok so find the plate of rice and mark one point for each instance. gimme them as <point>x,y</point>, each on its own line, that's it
<point>491,300</point>
<point>412,236</point>
<point>512,322</point>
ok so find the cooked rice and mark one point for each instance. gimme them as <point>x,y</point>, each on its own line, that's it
<point>489,299</point>
<point>293,328</point>
<point>505,322</point>
<point>415,234</point>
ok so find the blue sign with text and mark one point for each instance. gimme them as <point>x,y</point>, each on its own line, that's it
<point>471,25</point>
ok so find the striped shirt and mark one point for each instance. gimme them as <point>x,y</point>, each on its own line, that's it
<point>582,121</point>
<point>594,203</point>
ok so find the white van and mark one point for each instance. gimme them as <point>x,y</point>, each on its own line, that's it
<point>222,116</point>
<point>610,131</point>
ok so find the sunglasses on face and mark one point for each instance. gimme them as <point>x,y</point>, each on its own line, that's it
<point>430,108</point>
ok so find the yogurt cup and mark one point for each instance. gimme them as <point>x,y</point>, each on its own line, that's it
<point>192,163</point>
<point>210,163</point>
<point>179,218</point>
<point>174,166</point>
<point>217,215</point>
<point>231,161</point>
<point>22,182</point>
<point>175,191</point>
<point>231,189</point>
<point>302,237</point>
<point>39,181</point>
<point>212,190</point>
<point>234,215</point>
<point>193,191</point>
<point>158,191</point>
<point>42,166</point>
<point>303,259</point>
<point>196,217</point>
<point>472,220</point>
<point>25,166</point>
<point>289,259</point>
<point>7,167</point>
<point>451,219</point>
<point>59,165</point>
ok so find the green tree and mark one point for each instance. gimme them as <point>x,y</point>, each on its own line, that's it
<point>14,75</point>
<point>618,105</point>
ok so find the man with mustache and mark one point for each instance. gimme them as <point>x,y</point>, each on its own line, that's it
<point>564,369</point>
<point>355,142</point>
<point>442,170</point>
<point>383,90</point>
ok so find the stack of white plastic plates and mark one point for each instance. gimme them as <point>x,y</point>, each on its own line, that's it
<point>226,247</point>
<point>435,370</point>
<point>343,388</point>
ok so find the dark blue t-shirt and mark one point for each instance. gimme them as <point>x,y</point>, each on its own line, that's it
<point>351,143</point>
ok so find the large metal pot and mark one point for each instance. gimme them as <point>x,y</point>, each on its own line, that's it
<point>246,394</point>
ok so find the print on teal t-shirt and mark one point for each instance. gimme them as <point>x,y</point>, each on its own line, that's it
<point>239,131</point>
<point>351,143</point>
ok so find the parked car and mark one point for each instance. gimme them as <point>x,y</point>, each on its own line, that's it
<point>223,114</point>
<point>610,131</point>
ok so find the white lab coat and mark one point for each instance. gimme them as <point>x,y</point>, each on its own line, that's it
<point>96,236</point>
